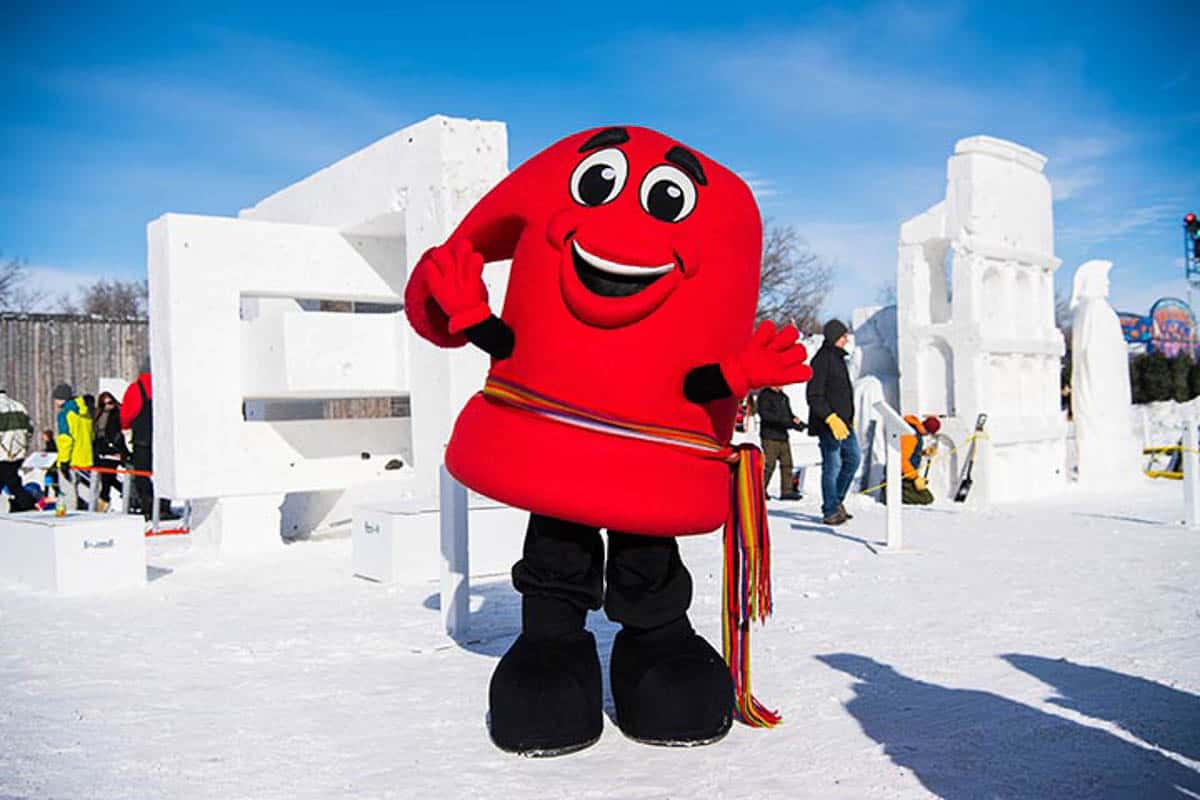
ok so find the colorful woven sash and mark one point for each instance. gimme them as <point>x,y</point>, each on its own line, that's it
<point>747,573</point>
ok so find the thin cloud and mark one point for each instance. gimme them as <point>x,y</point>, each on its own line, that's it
<point>1069,184</point>
<point>1117,224</point>
<point>295,113</point>
<point>762,188</point>
<point>46,285</point>
<point>862,254</point>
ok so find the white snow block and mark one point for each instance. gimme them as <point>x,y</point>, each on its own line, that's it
<point>401,541</point>
<point>380,551</point>
<point>81,553</point>
<point>249,525</point>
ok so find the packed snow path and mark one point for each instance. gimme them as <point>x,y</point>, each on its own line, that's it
<point>1045,651</point>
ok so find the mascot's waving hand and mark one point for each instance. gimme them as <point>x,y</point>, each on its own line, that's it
<point>625,343</point>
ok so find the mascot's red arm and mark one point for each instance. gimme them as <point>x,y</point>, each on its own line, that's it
<point>445,299</point>
<point>773,358</point>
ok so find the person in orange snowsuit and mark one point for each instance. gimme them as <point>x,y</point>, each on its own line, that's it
<point>914,448</point>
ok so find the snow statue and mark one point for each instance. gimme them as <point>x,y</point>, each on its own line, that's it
<point>975,318</point>
<point>1100,392</point>
<point>875,367</point>
<point>625,341</point>
<point>868,427</point>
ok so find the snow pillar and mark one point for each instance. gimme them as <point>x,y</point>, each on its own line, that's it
<point>1191,477</point>
<point>895,535</point>
<point>895,426</point>
<point>455,563</point>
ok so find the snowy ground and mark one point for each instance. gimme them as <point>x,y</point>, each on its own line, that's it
<point>1048,651</point>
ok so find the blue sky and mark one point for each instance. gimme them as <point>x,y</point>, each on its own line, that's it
<point>841,116</point>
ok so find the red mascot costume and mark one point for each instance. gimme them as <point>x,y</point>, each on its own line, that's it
<point>623,348</point>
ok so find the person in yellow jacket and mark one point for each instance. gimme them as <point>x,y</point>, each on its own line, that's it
<point>914,448</point>
<point>74,441</point>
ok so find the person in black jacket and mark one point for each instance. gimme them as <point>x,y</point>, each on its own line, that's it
<point>108,445</point>
<point>831,413</point>
<point>775,412</point>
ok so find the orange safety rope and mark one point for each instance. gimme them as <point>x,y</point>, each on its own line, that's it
<point>169,532</point>
<point>142,473</point>
<point>115,471</point>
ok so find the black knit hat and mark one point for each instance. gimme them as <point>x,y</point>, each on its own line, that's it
<point>62,392</point>
<point>834,330</point>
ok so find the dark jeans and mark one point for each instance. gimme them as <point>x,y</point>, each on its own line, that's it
<point>10,478</point>
<point>560,578</point>
<point>108,482</point>
<point>143,487</point>
<point>839,462</point>
<point>775,450</point>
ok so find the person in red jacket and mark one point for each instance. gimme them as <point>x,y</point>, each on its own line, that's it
<point>137,416</point>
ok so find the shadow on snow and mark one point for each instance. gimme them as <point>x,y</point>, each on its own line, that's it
<point>963,743</point>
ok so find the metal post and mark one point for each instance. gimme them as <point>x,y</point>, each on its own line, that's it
<point>455,571</point>
<point>126,488</point>
<point>153,512</point>
<point>93,495</point>
<point>1191,476</point>
<point>895,534</point>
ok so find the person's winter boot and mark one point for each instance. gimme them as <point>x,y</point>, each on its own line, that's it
<point>669,686</point>
<point>102,505</point>
<point>546,694</point>
<point>845,514</point>
<point>836,518</point>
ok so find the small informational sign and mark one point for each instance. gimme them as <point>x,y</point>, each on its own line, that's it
<point>1169,328</point>
<point>1135,327</point>
<point>1174,327</point>
<point>39,461</point>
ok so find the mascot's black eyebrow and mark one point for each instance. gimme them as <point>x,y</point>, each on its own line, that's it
<point>686,159</point>
<point>606,137</point>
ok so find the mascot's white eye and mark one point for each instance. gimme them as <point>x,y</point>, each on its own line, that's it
<point>600,177</point>
<point>668,194</point>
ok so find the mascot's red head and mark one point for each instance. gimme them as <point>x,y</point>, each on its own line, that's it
<point>635,259</point>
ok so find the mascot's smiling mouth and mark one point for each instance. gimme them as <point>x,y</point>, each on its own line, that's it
<point>611,278</point>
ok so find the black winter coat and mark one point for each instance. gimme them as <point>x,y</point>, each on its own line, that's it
<point>108,440</point>
<point>775,411</point>
<point>830,390</point>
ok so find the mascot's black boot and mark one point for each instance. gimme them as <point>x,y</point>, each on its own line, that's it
<point>546,695</point>
<point>669,685</point>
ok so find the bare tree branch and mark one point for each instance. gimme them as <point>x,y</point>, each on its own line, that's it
<point>14,290</point>
<point>794,283</point>
<point>1062,313</point>
<point>115,299</point>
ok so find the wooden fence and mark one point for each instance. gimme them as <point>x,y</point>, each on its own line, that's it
<point>39,351</point>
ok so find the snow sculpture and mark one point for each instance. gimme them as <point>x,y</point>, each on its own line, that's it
<point>869,428</point>
<point>874,365</point>
<point>874,350</point>
<point>239,348</point>
<point>1101,399</point>
<point>976,333</point>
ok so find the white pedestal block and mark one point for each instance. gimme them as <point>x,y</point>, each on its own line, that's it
<point>389,540</point>
<point>236,526</point>
<point>401,541</point>
<point>81,553</point>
